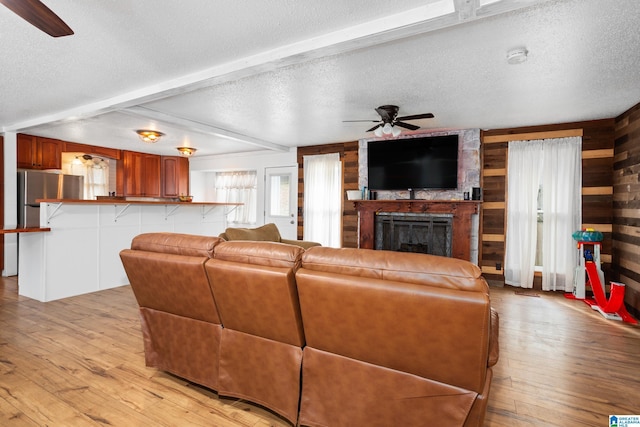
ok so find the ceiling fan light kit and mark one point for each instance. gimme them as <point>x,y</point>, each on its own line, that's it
<point>149,136</point>
<point>387,129</point>
<point>187,151</point>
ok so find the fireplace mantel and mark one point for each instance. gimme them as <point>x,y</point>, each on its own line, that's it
<point>460,209</point>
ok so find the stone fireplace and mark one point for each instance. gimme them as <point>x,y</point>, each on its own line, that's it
<point>414,232</point>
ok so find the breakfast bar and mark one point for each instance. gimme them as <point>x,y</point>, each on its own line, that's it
<point>77,250</point>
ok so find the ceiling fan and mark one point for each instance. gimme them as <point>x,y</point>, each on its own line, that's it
<point>389,118</point>
<point>40,16</point>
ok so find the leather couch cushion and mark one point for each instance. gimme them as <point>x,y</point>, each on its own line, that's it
<point>338,391</point>
<point>269,254</point>
<point>171,283</point>
<point>255,290</point>
<point>176,243</point>
<point>266,233</point>
<point>419,269</point>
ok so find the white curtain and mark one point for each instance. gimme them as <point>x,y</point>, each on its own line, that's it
<point>525,168</point>
<point>562,206</point>
<point>323,199</point>
<point>238,187</point>
<point>555,166</point>
<point>96,176</point>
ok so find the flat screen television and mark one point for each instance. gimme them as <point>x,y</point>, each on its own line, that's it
<point>413,163</point>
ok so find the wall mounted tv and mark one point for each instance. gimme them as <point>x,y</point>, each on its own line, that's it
<point>413,163</point>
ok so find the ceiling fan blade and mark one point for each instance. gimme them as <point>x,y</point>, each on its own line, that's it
<point>406,125</point>
<point>40,16</point>
<point>416,117</point>
<point>374,128</point>
<point>352,121</point>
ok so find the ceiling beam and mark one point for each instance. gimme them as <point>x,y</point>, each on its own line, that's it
<point>204,128</point>
<point>434,15</point>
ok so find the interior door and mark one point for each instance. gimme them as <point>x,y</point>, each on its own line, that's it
<point>280,205</point>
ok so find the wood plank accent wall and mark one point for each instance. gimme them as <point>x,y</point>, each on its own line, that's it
<point>626,206</point>
<point>349,155</point>
<point>597,187</point>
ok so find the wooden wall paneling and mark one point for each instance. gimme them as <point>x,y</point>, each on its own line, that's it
<point>494,188</point>
<point>626,206</point>
<point>492,213</point>
<point>598,191</point>
<point>493,221</point>
<point>597,209</point>
<point>350,164</point>
<point>597,172</point>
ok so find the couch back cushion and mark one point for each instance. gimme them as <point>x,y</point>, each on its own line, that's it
<point>167,273</point>
<point>176,243</point>
<point>421,314</point>
<point>266,233</point>
<point>419,269</point>
<point>254,286</point>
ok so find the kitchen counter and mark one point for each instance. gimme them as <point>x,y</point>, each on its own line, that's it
<point>24,230</point>
<point>122,201</point>
<point>80,252</point>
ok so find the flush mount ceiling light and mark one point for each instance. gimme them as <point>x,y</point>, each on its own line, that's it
<point>186,151</point>
<point>517,55</point>
<point>149,136</point>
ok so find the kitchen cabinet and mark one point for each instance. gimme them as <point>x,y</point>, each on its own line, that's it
<point>74,147</point>
<point>35,152</point>
<point>139,174</point>
<point>175,176</point>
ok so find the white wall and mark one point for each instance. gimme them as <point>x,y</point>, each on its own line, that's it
<point>202,172</point>
<point>10,182</point>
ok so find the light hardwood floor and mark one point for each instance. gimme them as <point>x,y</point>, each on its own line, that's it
<point>79,362</point>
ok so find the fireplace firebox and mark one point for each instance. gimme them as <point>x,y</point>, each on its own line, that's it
<point>409,232</point>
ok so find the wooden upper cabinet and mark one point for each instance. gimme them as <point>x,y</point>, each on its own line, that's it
<point>74,147</point>
<point>132,173</point>
<point>26,151</point>
<point>35,152</point>
<point>152,180</point>
<point>175,176</point>
<point>51,151</point>
<point>140,174</point>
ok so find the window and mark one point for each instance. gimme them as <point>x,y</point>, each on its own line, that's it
<point>540,221</point>
<point>96,175</point>
<point>238,187</point>
<point>543,210</point>
<point>279,185</point>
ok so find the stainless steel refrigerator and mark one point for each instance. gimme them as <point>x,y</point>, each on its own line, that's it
<point>34,185</point>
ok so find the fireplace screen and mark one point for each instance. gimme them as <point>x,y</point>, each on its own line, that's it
<point>411,232</point>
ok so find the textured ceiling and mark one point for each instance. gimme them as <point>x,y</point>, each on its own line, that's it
<point>238,76</point>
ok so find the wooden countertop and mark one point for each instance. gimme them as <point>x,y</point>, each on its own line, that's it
<point>25,230</point>
<point>132,202</point>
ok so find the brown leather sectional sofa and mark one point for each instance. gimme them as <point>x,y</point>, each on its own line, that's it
<point>323,336</point>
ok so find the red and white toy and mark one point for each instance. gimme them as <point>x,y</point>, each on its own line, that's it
<point>589,243</point>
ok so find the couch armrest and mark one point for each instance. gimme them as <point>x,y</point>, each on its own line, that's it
<point>494,347</point>
<point>302,243</point>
